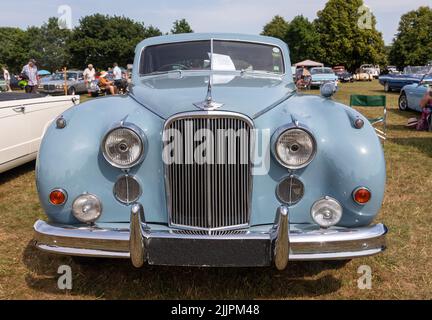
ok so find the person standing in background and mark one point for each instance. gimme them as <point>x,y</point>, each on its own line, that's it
<point>30,72</point>
<point>89,76</point>
<point>7,77</point>
<point>118,78</point>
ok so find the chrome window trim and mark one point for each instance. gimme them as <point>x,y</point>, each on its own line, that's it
<point>62,191</point>
<point>283,129</point>
<point>139,185</point>
<point>211,46</point>
<point>209,114</point>
<point>138,131</point>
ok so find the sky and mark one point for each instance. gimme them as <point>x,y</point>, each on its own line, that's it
<point>238,16</point>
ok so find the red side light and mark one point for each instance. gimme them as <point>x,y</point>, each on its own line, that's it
<point>57,197</point>
<point>362,195</point>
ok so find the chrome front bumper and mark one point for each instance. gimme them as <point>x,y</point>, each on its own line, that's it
<point>158,245</point>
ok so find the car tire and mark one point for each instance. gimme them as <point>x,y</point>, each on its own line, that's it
<point>72,91</point>
<point>387,87</point>
<point>403,102</point>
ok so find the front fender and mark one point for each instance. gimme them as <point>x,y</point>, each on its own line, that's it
<point>346,159</point>
<point>70,158</point>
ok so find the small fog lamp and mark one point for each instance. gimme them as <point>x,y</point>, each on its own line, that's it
<point>326,212</point>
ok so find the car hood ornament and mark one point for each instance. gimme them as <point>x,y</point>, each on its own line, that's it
<point>208,103</point>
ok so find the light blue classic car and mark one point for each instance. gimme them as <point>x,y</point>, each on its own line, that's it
<point>411,94</point>
<point>213,159</point>
<point>321,75</point>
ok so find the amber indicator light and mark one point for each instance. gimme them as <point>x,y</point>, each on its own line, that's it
<point>362,195</point>
<point>57,197</point>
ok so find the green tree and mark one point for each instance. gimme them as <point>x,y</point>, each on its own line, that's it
<point>342,39</point>
<point>181,26</point>
<point>13,48</point>
<point>413,42</point>
<point>302,39</point>
<point>277,28</point>
<point>103,40</point>
<point>49,45</point>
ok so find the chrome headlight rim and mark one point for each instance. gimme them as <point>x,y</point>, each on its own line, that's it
<point>282,130</point>
<point>137,131</point>
<point>93,219</point>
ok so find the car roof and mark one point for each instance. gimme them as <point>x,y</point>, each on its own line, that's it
<point>207,36</point>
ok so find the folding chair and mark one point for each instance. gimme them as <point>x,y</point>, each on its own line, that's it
<point>373,102</point>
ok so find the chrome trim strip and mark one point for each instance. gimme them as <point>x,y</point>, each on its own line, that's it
<point>209,115</point>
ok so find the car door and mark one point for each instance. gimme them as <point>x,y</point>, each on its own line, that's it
<point>415,94</point>
<point>14,132</point>
<point>81,87</point>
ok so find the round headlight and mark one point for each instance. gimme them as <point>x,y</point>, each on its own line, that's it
<point>87,208</point>
<point>326,212</point>
<point>123,147</point>
<point>295,148</point>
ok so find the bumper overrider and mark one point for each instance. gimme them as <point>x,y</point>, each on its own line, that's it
<point>156,245</point>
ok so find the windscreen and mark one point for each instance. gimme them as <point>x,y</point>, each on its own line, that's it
<point>197,55</point>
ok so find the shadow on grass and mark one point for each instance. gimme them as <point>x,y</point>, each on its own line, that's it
<point>118,279</point>
<point>423,144</point>
<point>17,172</point>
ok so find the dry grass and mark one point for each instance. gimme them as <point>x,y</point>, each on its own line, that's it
<point>403,271</point>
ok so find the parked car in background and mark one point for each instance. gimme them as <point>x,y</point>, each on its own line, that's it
<point>342,74</point>
<point>411,94</point>
<point>23,120</point>
<point>374,70</point>
<point>3,86</point>
<point>362,74</point>
<point>321,75</point>
<point>55,84</point>
<point>410,75</point>
<point>391,70</point>
<point>136,178</point>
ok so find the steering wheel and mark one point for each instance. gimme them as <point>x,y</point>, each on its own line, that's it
<point>173,66</point>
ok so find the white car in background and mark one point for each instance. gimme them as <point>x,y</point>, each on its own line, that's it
<point>375,71</point>
<point>23,120</point>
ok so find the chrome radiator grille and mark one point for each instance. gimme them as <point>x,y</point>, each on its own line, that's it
<point>213,194</point>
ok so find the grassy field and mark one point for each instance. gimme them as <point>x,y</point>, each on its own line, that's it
<point>403,271</point>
